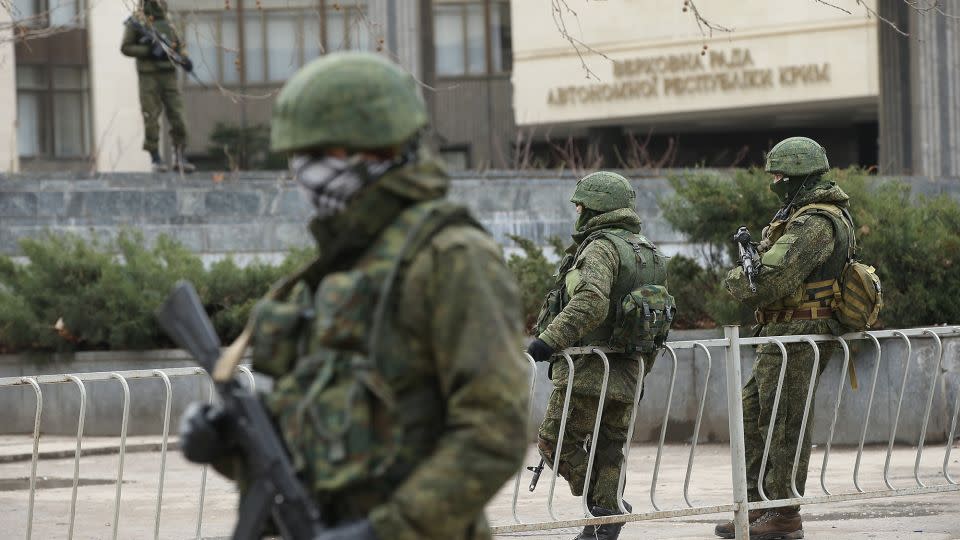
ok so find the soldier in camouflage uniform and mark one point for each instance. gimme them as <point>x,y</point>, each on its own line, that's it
<point>803,251</point>
<point>609,258</point>
<point>400,384</point>
<point>157,77</point>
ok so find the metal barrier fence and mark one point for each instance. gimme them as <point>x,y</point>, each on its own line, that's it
<point>730,343</point>
<point>121,377</point>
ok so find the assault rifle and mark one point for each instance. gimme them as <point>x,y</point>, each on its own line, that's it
<point>159,40</point>
<point>748,256</point>
<point>273,491</point>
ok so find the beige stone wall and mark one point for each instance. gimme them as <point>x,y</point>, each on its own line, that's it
<point>9,157</point>
<point>115,103</point>
<point>779,55</point>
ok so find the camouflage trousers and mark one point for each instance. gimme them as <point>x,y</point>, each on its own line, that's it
<point>575,452</point>
<point>758,400</point>
<point>158,93</point>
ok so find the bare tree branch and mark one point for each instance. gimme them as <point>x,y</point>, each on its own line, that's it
<point>559,9</point>
<point>834,6</point>
<point>706,27</point>
<point>873,13</point>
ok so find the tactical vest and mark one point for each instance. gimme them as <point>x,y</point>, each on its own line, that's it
<point>815,297</point>
<point>641,263</point>
<point>154,65</point>
<point>355,400</point>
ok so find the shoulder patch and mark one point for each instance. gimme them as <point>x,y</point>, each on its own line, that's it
<point>775,255</point>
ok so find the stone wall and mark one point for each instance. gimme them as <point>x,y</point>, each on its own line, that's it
<point>262,214</point>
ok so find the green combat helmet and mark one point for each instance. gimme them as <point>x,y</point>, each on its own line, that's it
<point>797,157</point>
<point>604,191</point>
<point>156,9</point>
<point>359,101</point>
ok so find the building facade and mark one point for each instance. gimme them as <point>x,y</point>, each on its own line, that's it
<point>641,83</point>
<point>611,83</point>
<point>76,105</point>
<point>77,96</point>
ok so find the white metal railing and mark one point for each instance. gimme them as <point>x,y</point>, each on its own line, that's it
<point>731,344</point>
<point>79,380</point>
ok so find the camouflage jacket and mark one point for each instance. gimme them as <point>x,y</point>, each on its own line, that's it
<point>132,46</point>
<point>786,263</point>
<point>589,304</point>
<point>451,361</point>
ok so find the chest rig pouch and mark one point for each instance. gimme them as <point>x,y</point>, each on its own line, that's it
<point>337,407</point>
<point>641,309</point>
<point>646,309</point>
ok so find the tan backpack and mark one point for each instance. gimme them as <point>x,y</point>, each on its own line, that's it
<point>859,299</point>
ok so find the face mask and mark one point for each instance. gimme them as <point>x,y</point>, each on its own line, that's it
<point>330,183</point>
<point>585,215</point>
<point>785,188</point>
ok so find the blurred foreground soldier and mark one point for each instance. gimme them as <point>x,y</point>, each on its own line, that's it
<point>802,253</point>
<point>610,290</point>
<point>400,384</point>
<point>152,40</point>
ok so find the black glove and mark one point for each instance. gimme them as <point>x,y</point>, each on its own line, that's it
<point>539,350</point>
<point>187,65</point>
<point>157,52</point>
<point>202,438</point>
<point>358,530</point>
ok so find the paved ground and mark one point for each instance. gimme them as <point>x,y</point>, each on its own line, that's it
<point>922,517</point>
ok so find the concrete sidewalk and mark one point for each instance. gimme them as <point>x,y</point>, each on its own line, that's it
<point>14,448</point>
<point>917,517</point>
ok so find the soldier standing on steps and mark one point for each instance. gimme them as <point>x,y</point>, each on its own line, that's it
<point>157,77</point>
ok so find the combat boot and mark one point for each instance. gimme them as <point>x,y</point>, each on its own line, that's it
<point>603,532</point>
<point>778,523</point>
<point>180,162</point>
<point>156,162</point>
<point>728,530</point>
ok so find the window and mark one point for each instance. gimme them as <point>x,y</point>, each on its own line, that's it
<point>53,113</point>
<point>48,13</point>
<point>212,43</point>
<point>277,36</point>
<point>472,37</point>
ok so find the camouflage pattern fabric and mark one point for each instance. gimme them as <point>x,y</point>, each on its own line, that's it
<point>132,46</point>
<point>804,246</point>
<point>419,438</point>
<point>758,405</point>
<point>594,275</point>
<point>159,90</point>
<point>614,423</point>
<point>588,281</point>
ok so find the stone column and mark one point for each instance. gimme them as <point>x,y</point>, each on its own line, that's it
<point>920,88</point>
<point>9,154</point>
<point>114,92</point>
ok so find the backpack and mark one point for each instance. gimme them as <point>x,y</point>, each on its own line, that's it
<point>643,319</point>
<point>858,298</point>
